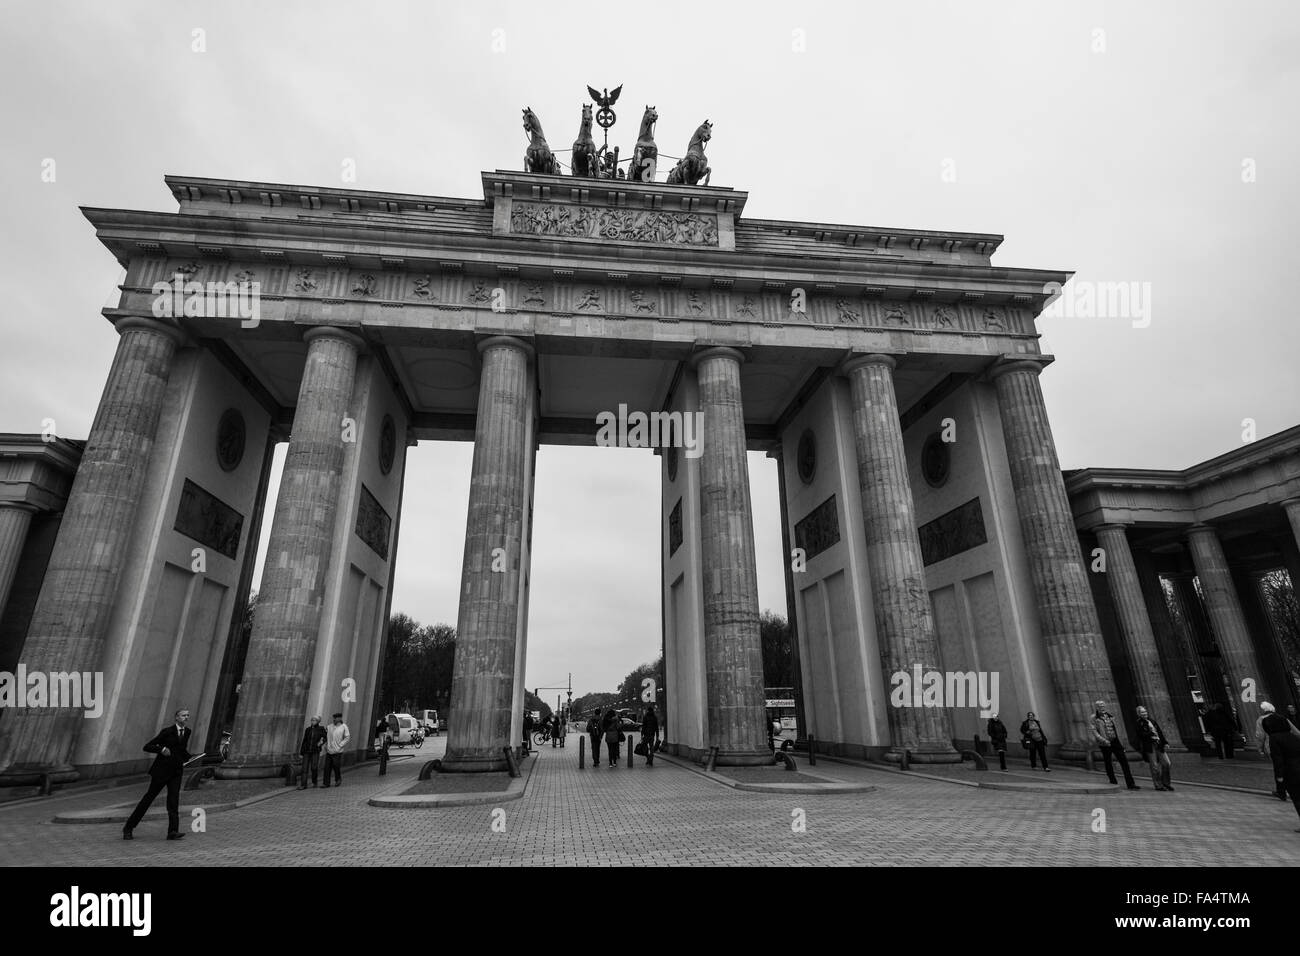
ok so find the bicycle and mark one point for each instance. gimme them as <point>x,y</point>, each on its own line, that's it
<point>417,738</point>
<point>541,737</point>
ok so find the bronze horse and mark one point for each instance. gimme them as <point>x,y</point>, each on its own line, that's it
<point>583,161</point>
<point>646,154</point>
<point>693,167</point>
<point>538,158</point>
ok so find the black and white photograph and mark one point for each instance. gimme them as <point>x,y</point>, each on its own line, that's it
<point>556,436</point>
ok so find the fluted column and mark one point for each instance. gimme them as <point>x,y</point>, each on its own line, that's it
<point>70,622</point>
<point>282,648</point>
<point>900,600</point>
<point>1135,625</point>
<point>1067,617</point>
<point>1292,508</point>
<point>733,649</point>
<point>15,519</point>
<point>487,627</point>
<point>1228,623</point>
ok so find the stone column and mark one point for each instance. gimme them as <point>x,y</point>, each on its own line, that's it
<point>282,649</point>
<point>1228,622</point>
<point>1292,508</point>
<point>15,519</point>
<point>70,621</point>
<point>1135,625</point>
<point>487,626</point>
<point>901,603</point>
<point>1067,617</point>
<point>733,649</point>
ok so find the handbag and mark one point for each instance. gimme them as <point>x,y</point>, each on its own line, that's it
<point>621,736</point>
<point>1024,743</point>
<point>639,749</point>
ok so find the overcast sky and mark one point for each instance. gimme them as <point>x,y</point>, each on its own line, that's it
<point>1151,142</point>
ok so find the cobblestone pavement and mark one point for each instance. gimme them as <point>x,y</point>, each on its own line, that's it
<point>668,815</point>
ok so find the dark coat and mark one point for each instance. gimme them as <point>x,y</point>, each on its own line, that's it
<point>171,765</point>
<point>1024,730</point>
<point>997,731</point>
<point>1150,737</point>
<point>593,726</point>
<point>650,725</point>
<point>313,738</point>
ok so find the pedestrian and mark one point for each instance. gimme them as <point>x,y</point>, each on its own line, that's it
<point>1154,746</point>
<point>1271,722</point>
<point>1288,745</point>
<point>594,732</point>
<point>555,731</point>
<point>167,770</point>
<point>649,733</point>
<point>336,738</point>
<point>563,727</point>
<point>528,731</point>
<point>381,735</point>
<point>997,732</point>
<point>313,739</point>
<point>1106,733</point>
<point>1219,726</point>
<point>612,726</point>
<point>1033,737</point>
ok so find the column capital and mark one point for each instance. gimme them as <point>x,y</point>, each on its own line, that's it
<point>335,332</point>
<point>19,506</point>
<point>125,323</point>
<point>506,341</point>
<point>1112,526</point>
<point>1288,503</point>
<point>854,362</point>
<point>1018,363</point>
<point>717,351</point>
<point>1199,529</point>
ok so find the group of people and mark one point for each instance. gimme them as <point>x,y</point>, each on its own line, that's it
<point>608,725</point>
<point>1105,733</point>
<point>330,741</point>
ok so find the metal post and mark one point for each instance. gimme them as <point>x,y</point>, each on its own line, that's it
<point>582,752</point>
<point>812,751</point>
<point>630,738</point>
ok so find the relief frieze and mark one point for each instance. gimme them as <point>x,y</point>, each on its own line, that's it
<point>584,222</point>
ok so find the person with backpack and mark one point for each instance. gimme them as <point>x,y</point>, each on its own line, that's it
<point>997,731</point>
<point>611,724</point>
<point>649,733</point>
<point>594,732</point>
<point>1033,737</point>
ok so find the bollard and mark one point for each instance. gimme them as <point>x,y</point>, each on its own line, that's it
<point>582,752</point>
<point>511,762</point>
<point>713,756</point>
<point>1088,761</point>
<point>812,751</point>
<point>630,738</point>
<point>904,759</point>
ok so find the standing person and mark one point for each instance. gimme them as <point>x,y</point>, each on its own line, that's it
<point>1154,746</point>
<point>563,728</point>
<point>1106,733</point>
<point>612,727</point>
<point>167,770</point>
<point>593,731</point>
<point>1033,737</point>
<point>1288,744</point>
<point>528,731</point>
<point>555,730</point>
<point>381,734</point>
<point>997,732</point>
<point>1219,725</point>
<point>649,733</point>
<point>336,738</point>
<point>313,739</point>
<point>1271,722</point>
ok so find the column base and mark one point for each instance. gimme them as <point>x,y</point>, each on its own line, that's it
<point>743,758</point>
<point>254,768</point>
<point>29,775</point>
<point>924,753</point>
<point>474,761</point>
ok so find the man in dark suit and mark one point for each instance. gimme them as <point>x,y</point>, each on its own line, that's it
<point>167,770</point>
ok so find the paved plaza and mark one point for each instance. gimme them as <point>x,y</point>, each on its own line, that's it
<point>674,816</point>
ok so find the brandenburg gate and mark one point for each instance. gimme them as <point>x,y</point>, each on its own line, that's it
<point>892,373</point>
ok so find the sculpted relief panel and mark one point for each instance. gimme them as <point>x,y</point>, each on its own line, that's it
<point>584,222</point>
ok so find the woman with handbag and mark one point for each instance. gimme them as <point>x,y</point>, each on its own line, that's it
<point>1033,738</point>
<point>613,734</point>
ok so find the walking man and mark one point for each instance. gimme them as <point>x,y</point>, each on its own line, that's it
<point>167,770</point>
<point>649,733</point>
<point>997,731</point>
<point>336,738</point>
<point>1154,747</point>
<point>611,725</point>
<point>1105,732</point>
<point>1270,723</point>
<point>1219,724</point>
<point>313,739</point>
<point>594,731</point>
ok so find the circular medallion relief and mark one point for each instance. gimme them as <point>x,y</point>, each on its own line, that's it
<point>935,461</point>
<point>231,434</point>
<point>387,444</point>
<point>670,461</point>
<point>806,457</point>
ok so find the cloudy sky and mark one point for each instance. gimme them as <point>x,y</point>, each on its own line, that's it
<point>1151,143</point>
